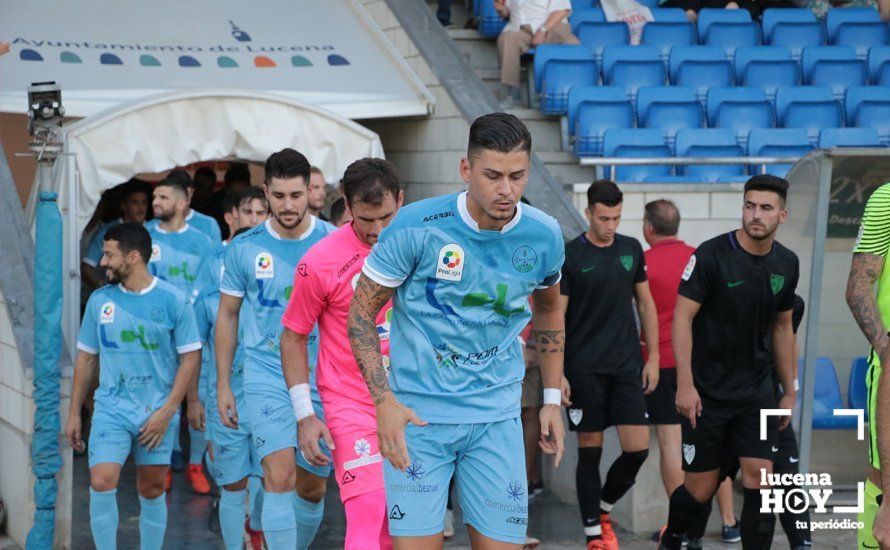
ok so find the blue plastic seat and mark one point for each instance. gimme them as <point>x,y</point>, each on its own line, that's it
<point>730,36</point>
<point>650,3</point>
<point>633,143</point>
<point>633,67</point>
<point>811,108</point>
<point>827,396</point>
<point>778,142</point>
<point>857,389</point>
<point>669,109</point>
<point>834,66</point>
<point>780,20</point>
<point>490,23</point>
<point>709,16</point>
<point>861,37</point>
<point>700,68</point>
<point>875,114</point>
<point>669,15</point>
<point>582,4</point>
<point>545,52</point>
<point>597,36</point>
<point>858,95</point>
<point>767,67</point>
<point>849,137</point>
<point>838,17</point>
<point>592,111</point>
<point>878,56</point>
<point>709,142</point>
<point>592,15</point>
<point>666,35</point>
<point>739,109</point>
<point>560,75</point>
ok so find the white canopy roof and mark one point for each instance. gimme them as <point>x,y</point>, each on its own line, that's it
<point>106,52</point>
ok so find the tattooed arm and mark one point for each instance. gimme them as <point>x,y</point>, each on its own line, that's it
<point>864,271</point>
<point>392,416</point>
<point>549,336</point>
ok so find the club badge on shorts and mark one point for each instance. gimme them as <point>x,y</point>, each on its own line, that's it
<point>575,416</point>
<point>688,453</point>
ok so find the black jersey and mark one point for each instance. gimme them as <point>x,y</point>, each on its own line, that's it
<point>739,294</point>
<point>601,329</point>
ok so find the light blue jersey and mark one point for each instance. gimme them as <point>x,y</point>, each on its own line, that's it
<point>94,250</point>
<point>202,222</point>
<point>462,301</point>
<point>177,257</point>
<point>260,268</point>
<point>210,273</point>
<point>138,338</point>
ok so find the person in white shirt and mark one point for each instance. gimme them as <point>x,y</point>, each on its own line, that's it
<point>532,23</point>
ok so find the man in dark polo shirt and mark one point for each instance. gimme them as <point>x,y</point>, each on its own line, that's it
<point>604,273</point>
<point>736,289</point>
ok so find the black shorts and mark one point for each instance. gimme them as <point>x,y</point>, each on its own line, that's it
<point>662,403</point>
<point>728,429</point>
<point>787,458</point>
<point>603,400</point>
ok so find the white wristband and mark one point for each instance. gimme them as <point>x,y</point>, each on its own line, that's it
<point>552,396</point>
<point>796,384</point>
<point>302,403</point>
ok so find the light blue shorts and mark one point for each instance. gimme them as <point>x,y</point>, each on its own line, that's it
<point>273,424</point>
<point>488,465</point>
<point>234,457</point>
<point>113,438</point>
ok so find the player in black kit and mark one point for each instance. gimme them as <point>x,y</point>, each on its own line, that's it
<point>603,274</point>
<point>737,289</point>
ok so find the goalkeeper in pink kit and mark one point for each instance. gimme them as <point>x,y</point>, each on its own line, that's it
<point>323,288</point>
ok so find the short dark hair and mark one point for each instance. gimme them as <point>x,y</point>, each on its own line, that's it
<point>316,170</point>
<point>767,182</point>
<point>205,172</point>
<point>241,230</point>
<point>135,186</point>
<point>175,182</point>
<point>130,237</point>
<point>500,132</point>
<point>370,180</point>
<point>233,199</point>
<point>286,164</point>
<point>237,172</point>
<point>604,192</point>
<point>182,177</point>
<point>663,216</point>
<point>338,208</point>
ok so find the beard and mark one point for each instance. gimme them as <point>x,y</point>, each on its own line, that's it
<point>759,232</point>
<point>298,216</point>
<point>164,215</point>
<point>115,275</point>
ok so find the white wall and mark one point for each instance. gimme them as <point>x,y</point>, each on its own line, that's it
<point>16,430</point>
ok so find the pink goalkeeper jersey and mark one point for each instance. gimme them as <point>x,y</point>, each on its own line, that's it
<point>324,284</point>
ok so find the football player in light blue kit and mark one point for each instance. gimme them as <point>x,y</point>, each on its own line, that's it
<point>202,222</point>
<point>177,252</point>
<point>140,333</point>
<point>462,268</point>
<point>230,458</point>
<point>259,272</point>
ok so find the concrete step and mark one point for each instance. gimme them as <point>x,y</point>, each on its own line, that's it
<point>544,129</point>
<point>480,53</point>
<point>565,168</point>
<point>459,14</point>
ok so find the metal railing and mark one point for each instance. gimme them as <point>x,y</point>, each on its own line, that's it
<point>612,162</point>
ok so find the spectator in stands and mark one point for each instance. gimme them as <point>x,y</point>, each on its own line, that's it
<point>532,23</point>
<point>821,7</point>
<point>317,190</point>
<point>692,7</point>
<point>205,185</point>
<point>339,215</point>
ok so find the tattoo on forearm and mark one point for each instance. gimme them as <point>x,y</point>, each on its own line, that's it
<point>549,341</point>
<point>864,271</point>
<point>366,304</point>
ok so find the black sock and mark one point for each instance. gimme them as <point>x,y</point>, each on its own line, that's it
<point>621,478</point>
<point>796,536</point>
<point>700,525</point>
<point>684,510</point>
<point>587,480</point>
<point>757,528</point>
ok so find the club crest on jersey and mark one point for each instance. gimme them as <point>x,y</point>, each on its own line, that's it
<point>155,253</point>
<point>106,313</point>
<point>450,262</point>
<point>264,266</point>
<point>627,261</point>
<point>690,266</point>
<point>776,282</point>
<point>688,453</point>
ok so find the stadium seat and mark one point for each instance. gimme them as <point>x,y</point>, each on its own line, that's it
<point>597,36</point>
<point>778,142</point>
<point>834,66</point>
<point>767,67</point>
<point>857,95</point>
<point>700,68</point>
<point>582,4</point>
<point>490,23</point>
<point>739,109</point>
<point>709,16</point>
<point>669,15</point>
<point>878,56</point>
<point>664,35</point>
<point>633,67</point>
<point>836,18</point>
<point>669,109</point>
<point>808,107</point>
<point>849,137</point>
<point>593,110</point>
<point>637,142</point>
<point>857,390</point>
<point>592,15</point>
<point>545,52</point>
<point>861,37</point>
<point>875,114</point>
<point>709,142</point>
<point>650,3</point>
<point>730,36</point>
<point>827,396</point>
<point>776,21</point>
<point>560,75</point>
